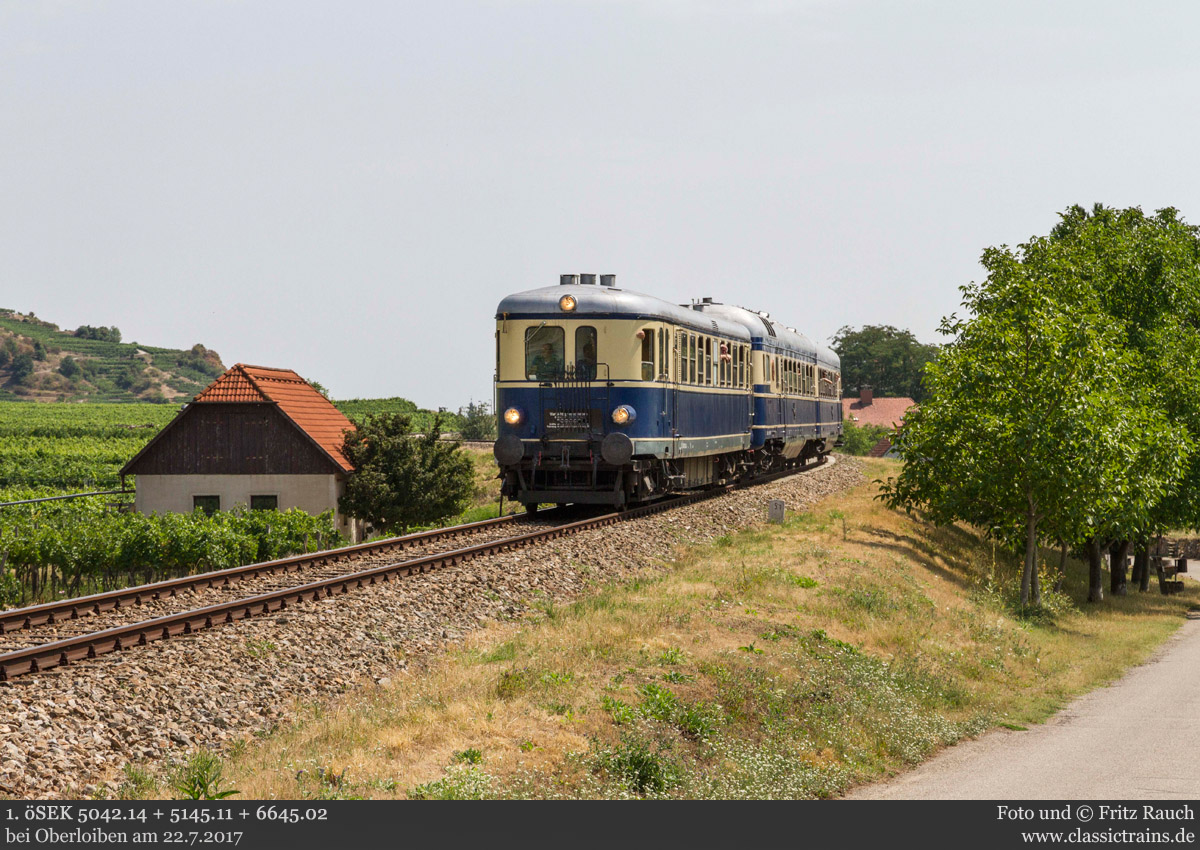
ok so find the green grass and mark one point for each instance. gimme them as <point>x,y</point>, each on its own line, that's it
<point>716,677</point>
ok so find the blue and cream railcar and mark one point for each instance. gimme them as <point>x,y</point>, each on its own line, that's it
<point>606,396</point>
<point>797,389</point>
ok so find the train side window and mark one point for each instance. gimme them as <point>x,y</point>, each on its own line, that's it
<point>708,361</point>
<point>664,366</point>
<point>585,353</point>
<point>648,354</point>
<point>691,358</point>
<point>544,353</point>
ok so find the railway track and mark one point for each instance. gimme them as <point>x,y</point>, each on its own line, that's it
<point>51,634</point>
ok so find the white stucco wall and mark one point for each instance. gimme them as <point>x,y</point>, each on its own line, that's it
<point>173,493</point>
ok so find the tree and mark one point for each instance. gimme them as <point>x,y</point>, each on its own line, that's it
<point>1036,421</point>
<point>22,367</point>
<point>403,479</point>
<point>1144,273</point>
<point>68,368</point>
<point>478,421</point>
<point>110,334</point>
<point>889,359</point>
<point>39,350</point>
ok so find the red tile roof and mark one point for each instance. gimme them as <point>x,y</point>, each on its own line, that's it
<point>888,412</point>
<point>312,413</point>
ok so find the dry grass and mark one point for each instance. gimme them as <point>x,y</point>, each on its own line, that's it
<point>788,661</point>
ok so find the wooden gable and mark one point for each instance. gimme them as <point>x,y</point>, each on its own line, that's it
<point>214,438</point>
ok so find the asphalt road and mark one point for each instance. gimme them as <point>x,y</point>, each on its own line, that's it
<point>1135,738</point>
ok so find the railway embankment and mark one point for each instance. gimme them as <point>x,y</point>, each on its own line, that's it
<point>115,725</point>
<point>795,661</point>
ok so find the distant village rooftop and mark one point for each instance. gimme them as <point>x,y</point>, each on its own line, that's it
<point>869,410</point>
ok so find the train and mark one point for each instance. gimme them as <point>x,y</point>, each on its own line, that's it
<point>606,396</point>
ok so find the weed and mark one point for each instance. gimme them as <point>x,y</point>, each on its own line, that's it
<point>677,677</point>
<point>658,702</point>
<point>621,711</point>
<point>637,766</point>
<point>752,649</point>
<point>799,581</point>
<point>138,783</point>
<point>1016,727</point>
<point>527,746</point>
<point>259,648</point>
<point>461,782</point>
<point>199,778</point>
<point>471,755</point>
<point>504,652</point>
<point>557,678</point>
<point>671,655</point>
<point>697,720</point>
<point>512,683</point>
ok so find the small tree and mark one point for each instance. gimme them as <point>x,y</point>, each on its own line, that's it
<point>68,368</point>
<point>22,367</point>
<point>860,439</point>
<point>478,421</point>
<point>403,479</point>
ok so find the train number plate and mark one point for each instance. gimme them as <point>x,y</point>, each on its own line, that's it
<point>568,420</point>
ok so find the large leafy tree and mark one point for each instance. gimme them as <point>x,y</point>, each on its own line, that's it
<point>403,479</point>
<point>889,359</point>
<point>1143,272</point>
<point>1035,423</point>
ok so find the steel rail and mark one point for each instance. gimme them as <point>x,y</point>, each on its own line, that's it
<point>49,613</point>
<point>43,657</point>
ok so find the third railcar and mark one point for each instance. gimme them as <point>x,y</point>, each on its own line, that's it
<point>606,396</point>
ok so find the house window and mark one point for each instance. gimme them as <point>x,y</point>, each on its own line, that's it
<point>264,503</point>
<point>209,504</point>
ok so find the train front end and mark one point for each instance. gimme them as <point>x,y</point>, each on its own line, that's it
<point>578,395</point>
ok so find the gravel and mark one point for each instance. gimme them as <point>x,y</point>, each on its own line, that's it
<point>69,731</point>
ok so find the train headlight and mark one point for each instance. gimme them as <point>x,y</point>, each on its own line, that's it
<point>567,303</point>
<point>513,416</point>
<point>624,414</point>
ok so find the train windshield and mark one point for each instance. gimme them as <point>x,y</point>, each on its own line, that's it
<point>585,353</point>
<point>544,353</point>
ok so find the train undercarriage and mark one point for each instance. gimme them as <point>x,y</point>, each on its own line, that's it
<point>561,474</point>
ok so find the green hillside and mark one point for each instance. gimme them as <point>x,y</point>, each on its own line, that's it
<point>40,362</point>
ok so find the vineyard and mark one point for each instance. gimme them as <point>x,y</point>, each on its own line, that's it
<point>46,449</point>
<point>48,549</point>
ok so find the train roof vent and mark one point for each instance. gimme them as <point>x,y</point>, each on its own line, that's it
<point>770,328</point>
<point>706,300</point>
<point>608,280</point>
<point>715,328</point>
<point>587,279</point>
<point>568,279</point>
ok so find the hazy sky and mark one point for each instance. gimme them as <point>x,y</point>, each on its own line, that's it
<point>348,189</point>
